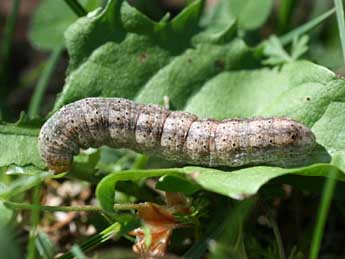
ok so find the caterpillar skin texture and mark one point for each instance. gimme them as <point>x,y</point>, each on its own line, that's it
<point>173,135</point>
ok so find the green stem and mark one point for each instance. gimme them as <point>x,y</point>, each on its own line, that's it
<point>322,214</point>
<point>341,23</point>
<point>287,38</point>
<point>43,81</point>
<point>88,208</point>
<point>35,215</point>
<point>76,7</point>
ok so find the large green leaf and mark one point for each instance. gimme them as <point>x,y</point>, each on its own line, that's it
<point>113,53</point>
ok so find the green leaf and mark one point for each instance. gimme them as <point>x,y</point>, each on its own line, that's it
<point>188,73</point>
<point>330,131</point>
<point>19,145</point>
<point>276,54</point>
<point>115,52</point>
<point>50,21</point>
<point>243,183</point>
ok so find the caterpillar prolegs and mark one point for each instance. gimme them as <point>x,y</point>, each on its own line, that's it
<point>173,135</point>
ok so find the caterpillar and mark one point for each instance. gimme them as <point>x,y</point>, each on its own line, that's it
<point>173,135</point>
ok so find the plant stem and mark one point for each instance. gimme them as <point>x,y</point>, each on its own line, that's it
<point>322,214</point>
<point>287,38</point>
<point>341,23</point>
<point>43,81</point>
<point>90,208</point>
<point>76,7</point>
<point>35,214</point>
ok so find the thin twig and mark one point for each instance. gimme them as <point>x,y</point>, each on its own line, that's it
<point>89,208</point>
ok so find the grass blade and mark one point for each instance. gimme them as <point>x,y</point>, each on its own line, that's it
<point>322,214</point>
<point>341,23</point>
<point>43,81</point>
<point>106,234</point>
<point>287,38</point>
<point>35,217</point>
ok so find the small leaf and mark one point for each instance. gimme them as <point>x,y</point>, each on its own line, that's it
<point>299,47</point>
<point>275,52</point>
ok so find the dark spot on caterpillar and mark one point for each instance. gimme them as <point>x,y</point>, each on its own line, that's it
<point>127,133</point>
<point>308,98</point>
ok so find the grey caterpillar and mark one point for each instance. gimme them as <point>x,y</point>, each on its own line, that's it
<point>173,135</point>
